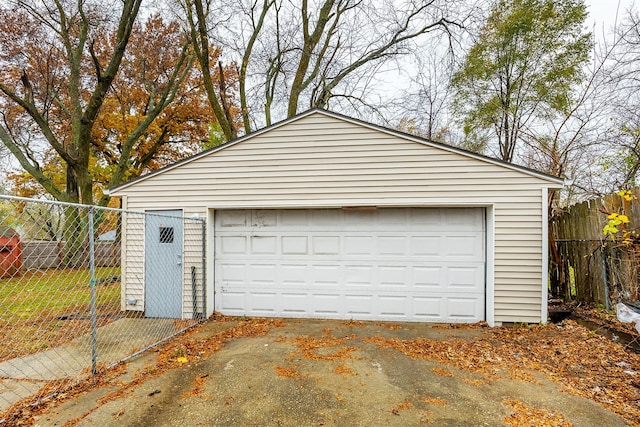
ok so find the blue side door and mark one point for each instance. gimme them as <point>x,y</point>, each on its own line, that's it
<point>163,264</point>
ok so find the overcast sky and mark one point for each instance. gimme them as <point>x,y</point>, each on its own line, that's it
<point>603,12</point>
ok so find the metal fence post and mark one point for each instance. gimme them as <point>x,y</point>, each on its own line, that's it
<point>606,271</point>
<point>63,293</point>
<point>194,292</point>
<point>204,269</point>
<point>92,283</point>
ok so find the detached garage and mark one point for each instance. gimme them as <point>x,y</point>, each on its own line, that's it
<point>325,216</point>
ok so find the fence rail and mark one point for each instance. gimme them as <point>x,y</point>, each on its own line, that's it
<point>40,254</point>
<point>588,266</point>
<point>71,305</point>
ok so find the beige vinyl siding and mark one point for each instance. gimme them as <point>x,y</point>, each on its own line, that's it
<point>320,160</point>
<point>133,263</point>
<point>193,246</point>
<point>133,260</point>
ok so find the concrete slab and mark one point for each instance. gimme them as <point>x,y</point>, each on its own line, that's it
<point>12,391</point>
<point>268,381</point>
<point>22,377</point>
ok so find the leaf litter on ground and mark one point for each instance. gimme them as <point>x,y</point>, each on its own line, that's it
<point>586,364</point>
<point>188,346</point>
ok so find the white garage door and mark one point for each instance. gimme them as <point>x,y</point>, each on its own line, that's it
<point>404,264</point>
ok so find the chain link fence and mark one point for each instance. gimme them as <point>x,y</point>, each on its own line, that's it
<point>83,288</point>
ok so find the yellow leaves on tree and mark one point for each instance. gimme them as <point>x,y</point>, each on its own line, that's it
<point>626,194</point>
<point>619,222</point>
<point>615,220</point>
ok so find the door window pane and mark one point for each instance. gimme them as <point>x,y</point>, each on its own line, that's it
<point>166,234</point>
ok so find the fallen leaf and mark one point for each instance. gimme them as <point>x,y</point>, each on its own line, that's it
<point>529,416</point>
<point>435,401</point>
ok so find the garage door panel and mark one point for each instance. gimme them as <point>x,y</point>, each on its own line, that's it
<point>231,272</point>
<point>326,245</point>
<point>264,218</point>
<point>392,245</point>
<point>294,274</point>
<point>294,245</point>
<point>394,276</point>
<point>393,216</point>
<point>464,279</point>
<point>267,245</point>
<point>262,273</point>
<point>460,308</point>
<point>428,308</point>
<point>394,306</point>
<point>427,246</point>
<point>358,306</point>
<point>467,247</point>
<point>233,218</point>
<point>293,218</point>
<point>355,218</point>
<point>294,303</point>
<point>428,278</point>
<point>463,219</point>
<point>430,219</point>
<point>232,245</point>
<point>387,264</point>
<point>326,218</point>
<point>263,303</point>
<point>327,305</point>
<point>358,245</point>
<point>234,303</point>
<point>325,275</point>
<point>359,276</point>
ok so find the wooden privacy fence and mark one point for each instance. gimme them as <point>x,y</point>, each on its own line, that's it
<point>586,265</point>
<point>42,254</point>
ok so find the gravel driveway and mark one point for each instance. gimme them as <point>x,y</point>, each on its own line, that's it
<point>320,373</point>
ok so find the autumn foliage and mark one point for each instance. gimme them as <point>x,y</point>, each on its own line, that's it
<point>153,113</point>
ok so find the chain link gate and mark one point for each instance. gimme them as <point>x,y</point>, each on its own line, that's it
<point>83,288</point>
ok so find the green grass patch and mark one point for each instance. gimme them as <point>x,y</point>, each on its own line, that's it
<point>56,292</point>
<point>45,308</point>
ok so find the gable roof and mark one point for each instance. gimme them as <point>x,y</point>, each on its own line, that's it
<point>557,182</point>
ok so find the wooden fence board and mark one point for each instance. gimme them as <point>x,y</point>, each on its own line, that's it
<point>604,271</point>
<point>40,254</point>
